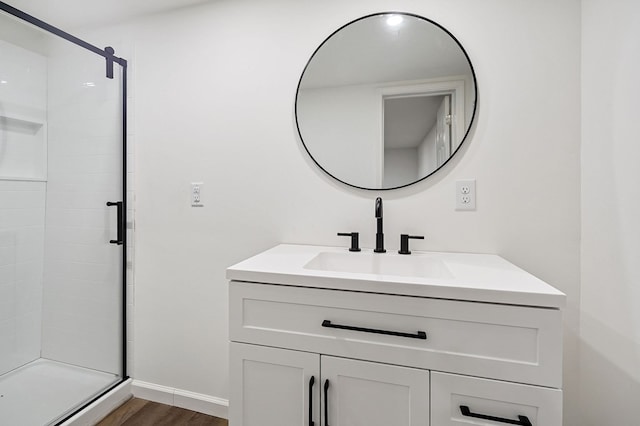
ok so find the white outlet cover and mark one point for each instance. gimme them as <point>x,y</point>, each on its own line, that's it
<point>466,194</point>
<point>196,194</point>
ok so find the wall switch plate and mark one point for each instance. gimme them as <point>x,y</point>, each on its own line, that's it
<point>196,194</point>
<point>466,194</point>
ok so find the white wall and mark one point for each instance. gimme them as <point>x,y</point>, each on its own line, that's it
<point>214,103</point>
<point>610,316</point>
<point>355,131</point>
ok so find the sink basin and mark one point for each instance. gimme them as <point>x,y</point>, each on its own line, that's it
<point>414,265</point>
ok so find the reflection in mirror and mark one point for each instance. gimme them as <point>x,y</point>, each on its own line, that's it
<point>385,101</point>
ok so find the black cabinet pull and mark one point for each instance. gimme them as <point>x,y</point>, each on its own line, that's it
<point>326,403</point>
<point>312,380</point>
<point>522,420</point>
<point>418,335</point>
<point>121,231</point>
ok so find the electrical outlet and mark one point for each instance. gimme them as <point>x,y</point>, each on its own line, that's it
<point>466,194</point>
<point>196,194</point>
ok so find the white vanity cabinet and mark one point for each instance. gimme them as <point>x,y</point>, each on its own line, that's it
<point>386,358</point>
<point>280,387</point>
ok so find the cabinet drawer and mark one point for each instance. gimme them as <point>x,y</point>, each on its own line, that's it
<point>461,400</point>
<point>514,343</point>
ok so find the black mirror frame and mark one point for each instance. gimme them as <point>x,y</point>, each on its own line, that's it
<point>466,133</point>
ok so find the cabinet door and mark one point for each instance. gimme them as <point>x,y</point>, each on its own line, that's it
<point>273,387</point>
<point>363,393</point>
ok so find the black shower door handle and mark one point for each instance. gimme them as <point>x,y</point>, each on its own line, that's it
<point>522,420</point>
<point>119,205</point>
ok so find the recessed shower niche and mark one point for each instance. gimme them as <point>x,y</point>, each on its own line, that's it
<point>23,105</point>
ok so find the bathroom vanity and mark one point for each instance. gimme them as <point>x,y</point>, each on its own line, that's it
<point>321,336</point>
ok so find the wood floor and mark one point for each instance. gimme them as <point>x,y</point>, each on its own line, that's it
<point>138,412</point>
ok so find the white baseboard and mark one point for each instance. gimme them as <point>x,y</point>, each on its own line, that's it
<point>99,409</point>
<point>199,402</point>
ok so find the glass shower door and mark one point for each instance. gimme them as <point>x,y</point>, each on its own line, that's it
<point>62,224</point>
<point>83,270</point>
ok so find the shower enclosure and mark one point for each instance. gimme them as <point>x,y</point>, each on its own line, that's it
<point>62,221</point>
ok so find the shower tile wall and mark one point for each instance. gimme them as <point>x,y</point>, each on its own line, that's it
<point>21,254</point>
<point>82,291</point>
<point>22,203</point>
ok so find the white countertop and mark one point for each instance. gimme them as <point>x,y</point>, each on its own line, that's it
<point>473,277</point>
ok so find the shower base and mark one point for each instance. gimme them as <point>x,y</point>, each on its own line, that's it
<point>43,390</point>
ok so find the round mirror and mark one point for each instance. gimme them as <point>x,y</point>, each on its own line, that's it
<point>385,101</point>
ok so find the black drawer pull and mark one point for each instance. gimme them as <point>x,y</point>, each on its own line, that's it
<point>418,335</point>
<point>523,420</point>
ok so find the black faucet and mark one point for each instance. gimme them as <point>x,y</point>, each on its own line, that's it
<point>379,234</point>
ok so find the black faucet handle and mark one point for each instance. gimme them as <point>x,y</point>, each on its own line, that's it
<point>404,242</point>
<point>355,239</point>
